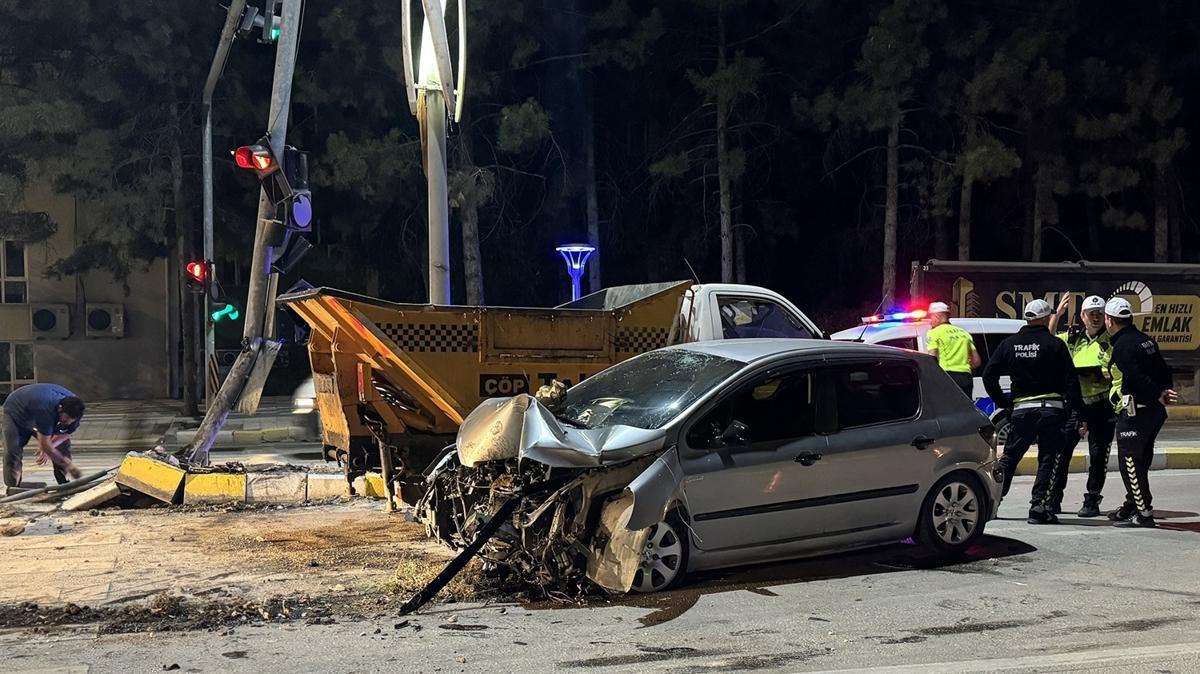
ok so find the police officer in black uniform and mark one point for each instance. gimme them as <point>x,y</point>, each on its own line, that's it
<point>1141,391</point>
<point>1043,385</point>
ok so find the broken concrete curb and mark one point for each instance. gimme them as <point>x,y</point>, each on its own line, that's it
<point>91,498</point>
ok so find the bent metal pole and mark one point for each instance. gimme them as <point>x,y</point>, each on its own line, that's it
<point>260,267</point>
<point>236,7</point>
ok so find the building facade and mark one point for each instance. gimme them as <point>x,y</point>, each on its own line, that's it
<point>83,332</point>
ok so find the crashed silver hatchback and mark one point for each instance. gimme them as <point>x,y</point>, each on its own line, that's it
<point>711,455</point>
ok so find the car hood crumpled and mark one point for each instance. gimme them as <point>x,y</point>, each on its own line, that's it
<point>520,427</point>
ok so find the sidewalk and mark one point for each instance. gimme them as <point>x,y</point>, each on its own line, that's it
<point>141,424</point>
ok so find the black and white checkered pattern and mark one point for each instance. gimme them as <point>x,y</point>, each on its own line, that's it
<point>641,339</point>
<point>433,338</point>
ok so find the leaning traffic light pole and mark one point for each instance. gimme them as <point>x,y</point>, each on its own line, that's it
<point>258,351</point>
<point>236,14</point>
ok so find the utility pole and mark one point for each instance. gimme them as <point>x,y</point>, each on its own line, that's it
<point>430,94</point>
<point>260,301</point>
<point>236,7</point>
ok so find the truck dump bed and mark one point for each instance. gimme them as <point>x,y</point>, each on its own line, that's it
<point>390,373</point>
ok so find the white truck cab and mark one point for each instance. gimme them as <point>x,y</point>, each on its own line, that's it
<point>731,311</point>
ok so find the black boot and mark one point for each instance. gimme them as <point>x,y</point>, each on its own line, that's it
<point>1091,506</point>
<point>1040,515</point>
<point>1142,520</point>
<point>1125,512</point>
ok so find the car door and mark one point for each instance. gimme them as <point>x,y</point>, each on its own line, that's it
<point>752,463</point>
<point>882,458</point>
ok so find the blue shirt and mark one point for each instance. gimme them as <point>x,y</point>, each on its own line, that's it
<point>34,407</point>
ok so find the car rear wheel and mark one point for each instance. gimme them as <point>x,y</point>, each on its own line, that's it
<point>953,514</point>
<point>664,556</point>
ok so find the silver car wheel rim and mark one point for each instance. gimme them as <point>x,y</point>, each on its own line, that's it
<point>1002,435</point>
<point>662,556</point>
<point>955,512</point>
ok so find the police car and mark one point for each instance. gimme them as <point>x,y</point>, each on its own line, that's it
<point>908,330</point>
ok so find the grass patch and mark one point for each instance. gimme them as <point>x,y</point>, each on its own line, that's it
<point>414,571</point>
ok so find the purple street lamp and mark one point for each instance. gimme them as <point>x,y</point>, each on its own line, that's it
<point>576,256</point>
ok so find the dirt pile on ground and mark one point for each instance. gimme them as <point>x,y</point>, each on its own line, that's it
<point>166,613</point>
<point>377,542</point>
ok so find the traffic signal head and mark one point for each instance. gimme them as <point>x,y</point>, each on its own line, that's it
<point>257,157</point>
<point>267,22</point>
<point>197,271</point>
<point>273,19</point>
<point>299,208</point>
<point>199,275</point>
<point>221,312</point>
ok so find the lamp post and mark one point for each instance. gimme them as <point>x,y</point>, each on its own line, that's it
<point>432,97</point>
<point>576,256</point>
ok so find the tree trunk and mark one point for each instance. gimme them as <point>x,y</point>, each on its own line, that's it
<point>891,214</point>
<point>593,211</point>
<point>1037,234</point>
<point>1162,219</point>
<point>964,219</point>
<point>723,179</point>
<point>187,300</point>
<point>1095,217</point>
<point>469,216</point>
<point>472,266</point>
<point>1175,252</point>
<point>941,237</point>
<point>1028,206</point>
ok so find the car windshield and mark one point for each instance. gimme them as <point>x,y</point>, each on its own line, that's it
<point>647,391</point>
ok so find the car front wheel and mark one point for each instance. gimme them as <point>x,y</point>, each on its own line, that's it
<point>953,515</point>
<point>664,556</point>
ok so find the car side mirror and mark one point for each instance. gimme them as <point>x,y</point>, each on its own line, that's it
<point>735,434</point>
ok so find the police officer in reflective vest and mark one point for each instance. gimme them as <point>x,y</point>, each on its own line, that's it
<point>953,347</point>
<point>1090,348</point>
<point>1043,386</point>
<point>1141,390</point>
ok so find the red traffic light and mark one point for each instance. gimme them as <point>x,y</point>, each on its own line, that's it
<point>256,157</point>
<point>197,271</point>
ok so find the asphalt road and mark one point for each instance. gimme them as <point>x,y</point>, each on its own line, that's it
<point>1080,596</point>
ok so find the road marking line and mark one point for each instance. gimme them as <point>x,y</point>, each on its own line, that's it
<point>1075,661</point>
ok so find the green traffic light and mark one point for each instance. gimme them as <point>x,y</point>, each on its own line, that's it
<point>228,311</point>
<point>274,33</point>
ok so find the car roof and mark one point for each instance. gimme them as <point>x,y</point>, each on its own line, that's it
<point>752,350</point>
<point>876,332</point>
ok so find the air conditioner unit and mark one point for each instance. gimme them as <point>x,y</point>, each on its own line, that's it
<point>104,320</point>
<point>50,321</point>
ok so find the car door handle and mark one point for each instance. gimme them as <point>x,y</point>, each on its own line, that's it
<point>808,458</point>
<point>923,441</point>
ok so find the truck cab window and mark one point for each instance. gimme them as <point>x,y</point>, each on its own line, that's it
<point>909,343</point>
<point>747,318</point>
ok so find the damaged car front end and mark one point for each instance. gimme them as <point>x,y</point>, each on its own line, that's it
<point>587,472</point>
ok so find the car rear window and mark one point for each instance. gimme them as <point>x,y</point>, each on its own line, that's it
<point>876,393</point>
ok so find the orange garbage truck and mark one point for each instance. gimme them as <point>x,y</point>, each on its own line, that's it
<point>393,382</point>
